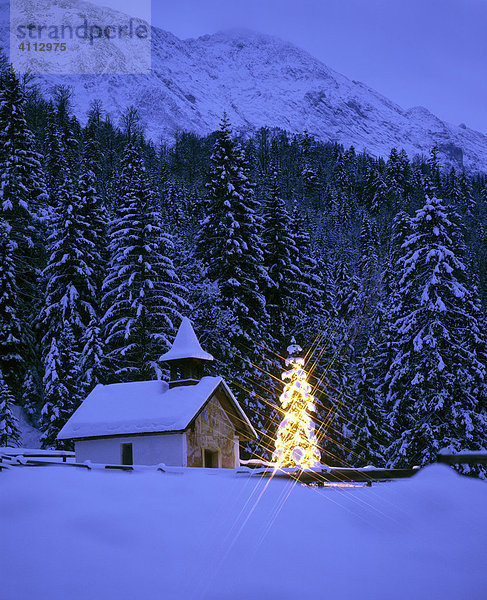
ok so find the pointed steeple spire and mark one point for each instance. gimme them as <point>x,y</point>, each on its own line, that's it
<point>186,356</point>
<point>186,345</point>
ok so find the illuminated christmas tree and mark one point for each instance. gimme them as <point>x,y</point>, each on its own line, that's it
<point>296,441</point>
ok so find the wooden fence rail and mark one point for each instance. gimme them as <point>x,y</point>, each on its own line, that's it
<point>463,458</point>
<point>321,476</point>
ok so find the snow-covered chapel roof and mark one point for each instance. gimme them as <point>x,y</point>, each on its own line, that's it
<point>146,407</point>
<point>186,344</point>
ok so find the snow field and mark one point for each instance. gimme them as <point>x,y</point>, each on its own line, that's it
<point>203,534</point>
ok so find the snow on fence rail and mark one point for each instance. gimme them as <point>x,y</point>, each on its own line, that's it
<point>8,454</point>
<point>18,457</point>
<point>331,474</point>
<point>20,460</point>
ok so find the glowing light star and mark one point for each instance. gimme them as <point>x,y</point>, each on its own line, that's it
<point>296,442</point>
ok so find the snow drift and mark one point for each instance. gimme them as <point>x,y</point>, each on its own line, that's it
<point>212,534</point>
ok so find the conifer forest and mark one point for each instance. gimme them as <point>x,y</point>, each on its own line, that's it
<point>377,267</point>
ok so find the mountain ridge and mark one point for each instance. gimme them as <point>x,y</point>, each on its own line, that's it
<point>260,80</point>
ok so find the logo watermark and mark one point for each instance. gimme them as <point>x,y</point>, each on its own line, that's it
<point>49,37</point>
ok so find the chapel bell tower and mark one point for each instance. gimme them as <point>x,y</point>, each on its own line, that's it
<point>186,357</point>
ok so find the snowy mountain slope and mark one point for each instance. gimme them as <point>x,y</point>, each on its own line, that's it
<point>260,80</point>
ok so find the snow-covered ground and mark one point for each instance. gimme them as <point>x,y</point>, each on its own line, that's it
<point>30,436</point>
<point>68,533</point>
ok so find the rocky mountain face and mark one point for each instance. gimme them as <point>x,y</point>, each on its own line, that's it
<point>261,81</point>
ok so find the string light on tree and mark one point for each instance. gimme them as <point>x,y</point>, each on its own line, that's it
<point>296,441</point>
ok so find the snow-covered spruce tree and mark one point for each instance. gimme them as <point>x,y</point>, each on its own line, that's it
<point>369,276</point>
<point>70,301</point>
<point>346,289</point>
<point>331,349</point>
<point>383,353</point>
<point>453,190</point>
<point>22,182</point>
<point>280,254</point>
<point>92,135</point>
<point>142,294</point>
<point>11,343</point>
<point>70,288</point>
<point>341,177</point>
<point>31,398</point>
<point>368,263</point>
<point>311,297</point>
<point>436,384</point>
<point>68,125</point>
<point>434,169</point>
<point>172,207</point>
<point>55,160</point>
<point>341,216</point>
<point>400,231</point>
<point>93,362</point>
<point>9,427</point>
<point>61,388</point>
<point>375,190</point>
<point>395,181</point>
<point>229,242</point>
<point>92,211</point>
<point>309,173</point>
<point>467,198</point>
<point>427,187</point>
<point>22,198</point>
<point>368,427</point>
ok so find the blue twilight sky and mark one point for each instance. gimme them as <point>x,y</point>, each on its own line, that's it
<point>416,52</point>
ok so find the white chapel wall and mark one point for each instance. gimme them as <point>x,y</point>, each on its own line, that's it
<point>147,450</point>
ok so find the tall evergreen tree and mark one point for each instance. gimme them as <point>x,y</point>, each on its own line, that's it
<point>67,125</point>
<point>453,191</point>
<point>309,173</point>
<point>369,432</point>
<point>61,388</point>
<point>368,264</point>
<point>12,344</point>
<point>92,211</point>
<point>280,255</point>
<point>70,288</point>
<point>71,296</point>
<point>375,191</point>
<point>436,383</point>
<point>9,427</point>
<point>346,289</point>
<point>230,244</point>
<point>311,295</point>
<point>467,198</point>
<point>22,200</point>
<point>93,362</point>
<point>22,182</point>
<point>434,169</point>
<point>142,293</point>
<point>400,232</point>
<point>55,159</point>
<point>172,208</point>
<point>31,399</point>
<point>395,181</point>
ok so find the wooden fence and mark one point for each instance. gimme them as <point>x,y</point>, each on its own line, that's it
<point>12,457</point>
